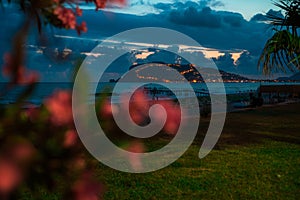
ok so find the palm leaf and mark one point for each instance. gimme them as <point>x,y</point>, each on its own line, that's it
<point>282,51</point>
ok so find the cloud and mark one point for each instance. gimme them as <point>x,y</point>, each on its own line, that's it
<point>184,5</point>
<point>264,17</point>
<point>216,4</point>
<point>247,64</point>
<point>191,16</point>
<point>233,19</point>
<point>226,63</point>
<point>200,14</point>
<point>223,31</point>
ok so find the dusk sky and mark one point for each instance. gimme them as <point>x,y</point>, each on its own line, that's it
<point>231,32</point>
<point>247,8</point>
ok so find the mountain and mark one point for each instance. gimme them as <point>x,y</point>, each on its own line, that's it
<point>191,74</point>
<point>295,77</point>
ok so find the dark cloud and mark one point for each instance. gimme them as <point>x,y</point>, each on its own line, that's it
<point>247,64</point>
<point>233,19</point>
<point>200,14</point>
<point>205,3</point>
<point>264,17</point>
<point>217,4</point>
<point>168,7</point>
<point>140,2</point>
<point>225,63</point>
<point>191,16</point>
<point>163,6</point>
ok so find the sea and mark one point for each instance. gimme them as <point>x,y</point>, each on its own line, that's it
<point>44,90</point>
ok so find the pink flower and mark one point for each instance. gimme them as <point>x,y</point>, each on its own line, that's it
<point>107,109</point>
<point>81,28</point>
<point>173,117</point>
<point>140,100</point>
<point>17,72</point>
<point>32,113</point>
<point>102,3</point>
<point>22,151</point>
<point>138,106</point>
<point>10,176</point>
<point>60,108</point>
<point>86,188</point>
<point>79,163</point>
<point>66,16</point>
<point>32,77</point>
<point>121,2</point>
<point>11,70</point>
<point>78,11</point>
<point>70,138</point>
<point>134,158</point>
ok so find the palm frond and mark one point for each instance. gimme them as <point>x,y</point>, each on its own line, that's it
<point>280,51</point>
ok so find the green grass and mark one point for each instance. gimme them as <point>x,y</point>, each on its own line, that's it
<point>266,171</point>
<point>257,157</point>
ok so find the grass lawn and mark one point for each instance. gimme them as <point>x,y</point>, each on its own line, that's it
<point>257,157</point>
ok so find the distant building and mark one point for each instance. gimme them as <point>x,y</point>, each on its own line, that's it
<point>279,93</point>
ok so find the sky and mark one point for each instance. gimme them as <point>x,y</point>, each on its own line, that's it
<point>248,8</point>
<point>231,32</point>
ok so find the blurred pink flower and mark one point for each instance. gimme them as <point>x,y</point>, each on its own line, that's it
<point>140,100</point>
<point>120,2</point>
<point>107,109</point>
<point>70,138</point>
<point>22,151</point>
<point>78,11</point>
<point>102,3</point>
<point>173,117</point>
<point>32,113</point>
<point>139,106</point>
<point>60,108</point>
<point>17,72</point>
<point>66,16</point>
<point>10,176</point>
<point>87,188</point>
<point>79,163</point>
<point>134,158</point>
<point>32,77</point>
<point>10,70</point>
<point>81,28</point>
